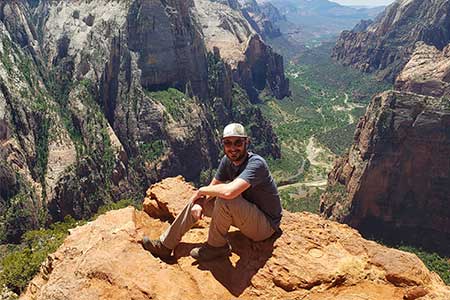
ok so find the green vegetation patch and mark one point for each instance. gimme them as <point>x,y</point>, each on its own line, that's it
<point>21,263</point>
<point>337,193</point>
<point>175,102</point>
<point>42,139</point>
<point>326,103</point>
<point>17,218</point>
<point>5,57</point>
<point>152,151</point>
<point>117,205</point>
<point>338,140</point>
<point>290,167</point>
<point>292,201</point>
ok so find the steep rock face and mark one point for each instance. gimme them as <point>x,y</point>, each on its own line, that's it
<point>169,45</point>
<point>101,98</point>
<point>271,11</point>
<point>386,45</point>
<point>395,180</point>
<point>313,258</point>
<point>427,72</point>
<point>254,64</point>
<point>262,68</point>
<point>32,162</point>
<point>262,17</point>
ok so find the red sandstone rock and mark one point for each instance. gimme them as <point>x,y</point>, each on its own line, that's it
<point>172,198</point>
<point>314,259</point>
<point>427,72</point>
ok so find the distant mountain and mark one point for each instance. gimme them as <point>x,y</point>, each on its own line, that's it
<point>309,10</point>
<point>308,22</point>
<point>325,8</point>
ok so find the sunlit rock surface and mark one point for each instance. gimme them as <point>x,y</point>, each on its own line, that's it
<point>312,259</point>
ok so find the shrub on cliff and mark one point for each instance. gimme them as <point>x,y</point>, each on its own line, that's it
<point>19,267</point>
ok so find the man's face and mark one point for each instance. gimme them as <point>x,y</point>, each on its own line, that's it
<point>235,148</point>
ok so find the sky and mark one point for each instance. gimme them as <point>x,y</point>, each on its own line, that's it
<point>364,2</point>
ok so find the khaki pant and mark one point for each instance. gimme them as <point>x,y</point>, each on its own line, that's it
<point>237,212</point>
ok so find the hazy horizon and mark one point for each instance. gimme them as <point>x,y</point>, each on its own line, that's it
<point>370,3</point>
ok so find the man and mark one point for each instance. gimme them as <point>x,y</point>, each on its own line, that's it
<point>242,193</point>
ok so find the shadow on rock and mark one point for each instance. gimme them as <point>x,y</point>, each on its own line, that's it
<point>252,257</point>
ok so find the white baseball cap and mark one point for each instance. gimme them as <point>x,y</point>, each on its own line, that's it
<point>234,130</point>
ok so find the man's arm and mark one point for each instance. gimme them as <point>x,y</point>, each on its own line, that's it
<point>226,191</point>
<point>214,181</point>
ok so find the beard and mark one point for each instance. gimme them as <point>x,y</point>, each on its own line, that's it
<point>236,155</point>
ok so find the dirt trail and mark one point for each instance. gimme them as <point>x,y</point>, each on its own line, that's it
<point>313,152</point>
<point>348,107</point>
<point>316,183</point>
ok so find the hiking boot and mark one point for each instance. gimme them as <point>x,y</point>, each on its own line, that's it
<point>156,248</point>
<point>207,252</point>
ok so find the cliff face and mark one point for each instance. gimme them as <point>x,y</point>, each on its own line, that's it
<point>262,17</point>
<point>395,180</point>
<point>254,64</point>
<point>101,98</point>
<point>386,45</point>
<point>313,258</point>
<point>427,72</point>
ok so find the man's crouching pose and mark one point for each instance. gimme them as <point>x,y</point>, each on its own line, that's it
<point>243,194</point>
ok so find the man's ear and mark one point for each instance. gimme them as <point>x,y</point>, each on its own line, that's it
<point>248,141</point>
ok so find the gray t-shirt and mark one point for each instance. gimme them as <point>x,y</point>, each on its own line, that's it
<point>263,190</point>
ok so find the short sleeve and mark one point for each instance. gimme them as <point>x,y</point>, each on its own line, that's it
<point>255,172</point>
<point>221,173</point>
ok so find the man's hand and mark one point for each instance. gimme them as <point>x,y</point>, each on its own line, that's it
<point>196,211</point>
<point>197,196</point>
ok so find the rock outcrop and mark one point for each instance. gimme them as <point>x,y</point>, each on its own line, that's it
<point>427,72</point>
<point>254,64</point>
<point>262,17</point>
<point>386,45</point>
<point>312,259</point>
<point>118,94</point>
<point>395,181</point>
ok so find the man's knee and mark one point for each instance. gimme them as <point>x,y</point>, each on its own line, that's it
<point>220,204</point>
<point>228,203</point>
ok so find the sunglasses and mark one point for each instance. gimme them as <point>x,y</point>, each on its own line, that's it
<point>236,143</point>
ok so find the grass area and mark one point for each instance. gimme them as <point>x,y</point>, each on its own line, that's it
<point>338,140</point>
<point>289,166</point>
<point>23,261</point>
